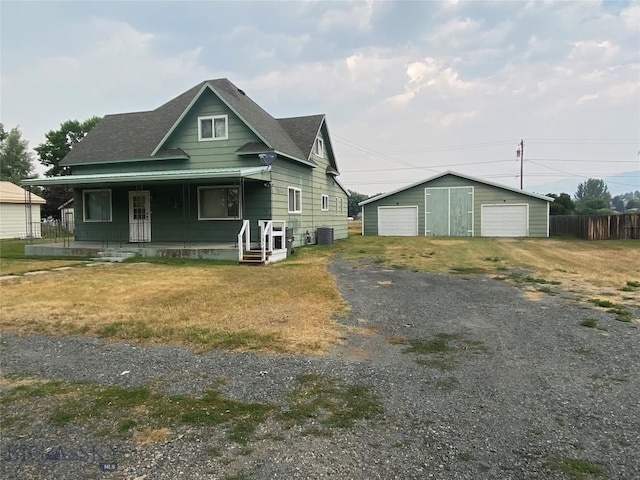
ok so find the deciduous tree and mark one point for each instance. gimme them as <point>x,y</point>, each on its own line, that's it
<point>15,157</point>
<point>562,204</point>
<point>58,143</point>
<point>593,187</point>
<point>354,199</point>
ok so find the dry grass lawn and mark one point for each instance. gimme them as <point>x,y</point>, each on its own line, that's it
<point>591,267</point>
<point>278,308</point>
<point>287,307</point>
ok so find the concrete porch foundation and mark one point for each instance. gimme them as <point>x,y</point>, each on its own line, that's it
<point>209,251</point>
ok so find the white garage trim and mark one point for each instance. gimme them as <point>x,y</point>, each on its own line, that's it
<point>398,221</point>
<point>504,220</point>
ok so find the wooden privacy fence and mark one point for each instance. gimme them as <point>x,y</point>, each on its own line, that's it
<point>597,227</point>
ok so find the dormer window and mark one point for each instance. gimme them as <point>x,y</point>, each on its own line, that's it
<point>213,128</point>
<point>318,148</point>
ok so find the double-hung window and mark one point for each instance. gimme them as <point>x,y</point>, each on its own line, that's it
<point>325,203</point>
<point>215,127</point>
<point>96,205</point>
<point>295,200</point>
<point>218,203</point>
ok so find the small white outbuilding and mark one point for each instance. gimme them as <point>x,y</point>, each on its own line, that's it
<point>19,212</point>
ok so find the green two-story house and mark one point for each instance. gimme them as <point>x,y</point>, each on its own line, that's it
<point>209,166</point>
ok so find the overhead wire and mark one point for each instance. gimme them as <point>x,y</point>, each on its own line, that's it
<point>536,161</point>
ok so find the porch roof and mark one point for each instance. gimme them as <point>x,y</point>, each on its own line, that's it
<point>151,176</point>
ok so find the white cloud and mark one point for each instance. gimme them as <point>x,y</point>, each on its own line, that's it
<point>430,74</point>
<point>347,15</point>
<point>450,119</point>
<point>114,69</point>
<point>465,73</point>
<point>591,51</point>
<point>266,45</point>
<point>587,98</point>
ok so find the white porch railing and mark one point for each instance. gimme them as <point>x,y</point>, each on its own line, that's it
<point>244,239</point>
<point>272,240</point>
<point>269,231</point>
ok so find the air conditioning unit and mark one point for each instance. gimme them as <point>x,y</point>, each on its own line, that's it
<point>324,236</point>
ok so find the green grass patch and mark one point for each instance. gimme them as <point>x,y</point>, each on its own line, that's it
<point>577,469</point>
<point>444,364</point>
<point>546,290</point>
<point>620,311</point>
<point>327,403</point>
<point>601,303</point>
<point>180,262</point>
<point>520,278</point>
<point>633,284</point>
<point>444,350</point>
<point>467,270</point>
<point>196,336</point>
<point>118,411</point>
<point>589,322</point>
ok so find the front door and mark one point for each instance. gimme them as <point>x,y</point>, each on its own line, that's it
<point>139,216</point>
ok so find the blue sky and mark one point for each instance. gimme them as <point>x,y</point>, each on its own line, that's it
<point>410,89</point>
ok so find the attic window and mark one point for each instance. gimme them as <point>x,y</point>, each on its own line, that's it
<point>318,147</point>
<point>213,128</point>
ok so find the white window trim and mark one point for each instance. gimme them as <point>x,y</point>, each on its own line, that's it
<point>84,206</point>
<point>318,147</point>
<point>219,187</point>
<point>324,203</point>
<point>299,209</point>
<point>213,128</point>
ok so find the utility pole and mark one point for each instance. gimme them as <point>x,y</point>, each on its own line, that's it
<point>520,154</point>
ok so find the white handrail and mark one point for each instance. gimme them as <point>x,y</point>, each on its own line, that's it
<point>268,232</point>
<point>244,239</point>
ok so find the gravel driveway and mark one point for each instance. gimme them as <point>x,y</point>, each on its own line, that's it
<point>523,391</point>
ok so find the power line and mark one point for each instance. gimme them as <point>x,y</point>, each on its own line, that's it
<point>420,168</point>
<point>581,160</point>
<point>581,141</point>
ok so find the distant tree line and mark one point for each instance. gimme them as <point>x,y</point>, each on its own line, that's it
<point>592,197</point>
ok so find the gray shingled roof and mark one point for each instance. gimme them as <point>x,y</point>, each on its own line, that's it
<point>303,130</point>
<point>137,135</point>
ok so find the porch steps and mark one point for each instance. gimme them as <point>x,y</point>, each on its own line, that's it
<point>254,257</point>
<point>113,256</point>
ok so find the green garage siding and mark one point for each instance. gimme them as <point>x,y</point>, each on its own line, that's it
<point>449,210</point>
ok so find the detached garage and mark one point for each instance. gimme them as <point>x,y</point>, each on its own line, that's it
<point>19,212</point>
<point>456,205</point>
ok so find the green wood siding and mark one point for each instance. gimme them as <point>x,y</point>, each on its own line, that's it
<point>214,153</point>
<point>174,216</point>
<point>313,183</point>
<point>483,194</point>
<point>174,207</point>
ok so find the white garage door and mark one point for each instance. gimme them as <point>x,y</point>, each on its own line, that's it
<point>505,220</point>
<point>401,221</point>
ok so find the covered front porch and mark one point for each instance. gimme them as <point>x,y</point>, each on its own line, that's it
<point>207,214</point>
<point>274,245</point>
